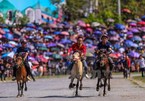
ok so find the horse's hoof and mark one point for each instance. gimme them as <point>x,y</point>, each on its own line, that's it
<point>104,94</point>
<point>21,95</point>
<point>18,96</point>
<point>97,89</point>
<point>109,88</point>
<point>99,94</point>
<point>81,87</point>
<point>25,89</point>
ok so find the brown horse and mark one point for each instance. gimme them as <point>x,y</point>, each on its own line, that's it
<point>21,76</point>
<point>103,73</point>
<point>77,72</point>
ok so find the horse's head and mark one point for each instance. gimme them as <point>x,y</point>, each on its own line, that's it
<point>103,60</point>
<point>76,56</point>
<point>19,60</point>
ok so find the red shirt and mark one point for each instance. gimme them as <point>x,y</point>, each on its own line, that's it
<point>76,47</point>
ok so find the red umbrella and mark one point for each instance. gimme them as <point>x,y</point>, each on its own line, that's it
<point>115,55</point>
<point>141,23</point>
<point>126,10</point>
<point>64,33</point>
<point>2,31</point>
<point>35,62</point>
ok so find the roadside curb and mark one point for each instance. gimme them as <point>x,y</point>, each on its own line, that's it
<point>140,83</point>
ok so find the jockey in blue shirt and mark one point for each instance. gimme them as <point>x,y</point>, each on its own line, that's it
<point>23,50</point>
<point>105,45</point>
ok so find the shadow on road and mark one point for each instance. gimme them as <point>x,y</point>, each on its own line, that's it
<point>7,97</point>
<point>58,96</point>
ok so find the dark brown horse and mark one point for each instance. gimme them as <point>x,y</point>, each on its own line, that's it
<point>21,76</point>
<point>103,73</point>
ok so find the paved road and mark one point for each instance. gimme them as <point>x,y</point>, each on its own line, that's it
<point>56,89</point>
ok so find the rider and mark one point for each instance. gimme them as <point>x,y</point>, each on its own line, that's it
<point>25,50</point>
<point>105,45</point>
<point>79,46</point>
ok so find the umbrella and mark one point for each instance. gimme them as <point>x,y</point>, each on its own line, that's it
<point>48,37</point>
<point>134,54</point>
<point>112,33</point>
<point>8,36</point>
<point>98,32</point>
<point>43,48</point>
<point>121,50</point>
<point>136,38</point>
<point>53,26</point>
<point>31,58</point>
<point>119,26</point>
<point>89,30</point>
<point>31,25</point>
<point>51,45</point>
<point>13,43</point>
<point>132,24</point>
<point>56,56</point>
<point>64,33</point>
<point>60,45</point>
<point>81,23</point>
<point>115,55</point>
<point>57,32</point>
<point>141,23</point>
<point>129,33</point>
<point>29,29</point>
<point>6,30</point>
<point>117,46</point>
<point>95,24</point>
<point>2,31</point>
<point>66,41</point>
<point>9,54</point>
<point>110,20</point>
<point>35,62</point>
<point>134,30</point>
<point>126,10</point>
<point>143,17</point>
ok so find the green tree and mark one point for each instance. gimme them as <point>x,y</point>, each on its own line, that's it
<point>2,20</point>
<point>24,20</point>
<point>73,8</point>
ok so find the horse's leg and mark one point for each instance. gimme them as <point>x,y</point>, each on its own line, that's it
<point>105,83</point>
<point>97,88</point>
<point>71,83</point>
<point>77,86</point>
<point>22,86</point>
<point>109,88</point>
<point>81,84</point>
<point>25,83</point>
<point>19,88</point>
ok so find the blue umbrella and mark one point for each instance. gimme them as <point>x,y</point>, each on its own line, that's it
<point>129,43</point>
<point>57,32</point>
<point>29,29</point>
<point>6,30</point>
<point>134,54</point>
<point>9,36</point>
<point>7,46</point>
<point>30,25</point>
<point>66,41</point>
<point>117,46</point>
<point>136,38</point>
<point>143,17</point>
<point>129,33</point>
<point>52,45</point>
<point>48,37</point>
<point>98,32</point>
<point>112,33</point>
<point>119,26</point>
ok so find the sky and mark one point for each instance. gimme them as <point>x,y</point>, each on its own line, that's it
<point>22,4</point>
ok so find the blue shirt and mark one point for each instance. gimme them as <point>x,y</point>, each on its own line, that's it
<point>21,49</point>
<point>104,46</point>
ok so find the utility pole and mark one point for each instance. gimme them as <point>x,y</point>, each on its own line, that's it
<point>119,10</point>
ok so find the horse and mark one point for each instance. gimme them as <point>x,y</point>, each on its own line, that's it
<point>103,73</point>
<point>76,73</point>
<point>21,76</point>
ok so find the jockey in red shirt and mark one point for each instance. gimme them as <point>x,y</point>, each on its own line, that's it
<point>79,46</point>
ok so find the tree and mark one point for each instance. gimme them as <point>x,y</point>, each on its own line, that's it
<point>73,9</point>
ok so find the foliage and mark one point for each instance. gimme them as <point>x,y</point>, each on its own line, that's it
<point>24,20</point>
<point>2,21</point>
<point>73,9</point>
<point>106,9</point>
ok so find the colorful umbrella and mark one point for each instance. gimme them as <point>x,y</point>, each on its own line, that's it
<point>64,33</point>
